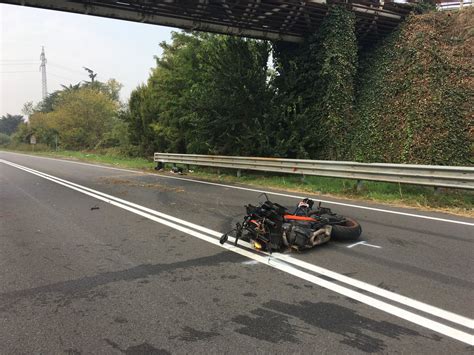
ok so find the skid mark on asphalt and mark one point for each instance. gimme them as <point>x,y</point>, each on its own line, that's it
<point>411,269</point>
<point>386,287</point>
<point>120,320</point>
<point>143,348</point>
<point>108,180</point>
<point>415,230</point>
<point>266,325</point>
<point>273,322</point>
<point>80,288</point>
<point>403,243</point>
<point>191,335</point>
<point>249,294</point>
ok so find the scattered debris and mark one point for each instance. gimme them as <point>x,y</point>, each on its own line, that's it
<point>159,166</point>
<point>95,208</point>
<point>135,183</point>
<point>176,170</point>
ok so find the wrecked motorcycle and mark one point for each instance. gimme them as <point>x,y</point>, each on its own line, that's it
<point>270,227</point>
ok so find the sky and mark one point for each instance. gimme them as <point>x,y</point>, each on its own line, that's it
<point>112,48</point>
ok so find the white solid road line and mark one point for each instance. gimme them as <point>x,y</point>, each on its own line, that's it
<point>278,263</point>
<point>259,191</point>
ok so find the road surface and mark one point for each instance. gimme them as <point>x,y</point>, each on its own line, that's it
<point>101,260</point>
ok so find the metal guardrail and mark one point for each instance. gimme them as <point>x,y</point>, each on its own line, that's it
<point>431,175</point>
<point>453,4</point>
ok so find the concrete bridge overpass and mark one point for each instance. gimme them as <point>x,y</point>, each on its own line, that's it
<point>286,20</point>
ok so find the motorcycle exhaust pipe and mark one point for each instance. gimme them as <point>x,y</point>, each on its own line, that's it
<point>321,236</point>
<point>285,240</point>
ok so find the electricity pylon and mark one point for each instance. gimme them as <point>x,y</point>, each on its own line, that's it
<point>43,74</point>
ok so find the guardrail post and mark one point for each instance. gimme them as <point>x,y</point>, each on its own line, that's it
<point>360,185</point>
<point>239,173</point>
<point>437,190</point>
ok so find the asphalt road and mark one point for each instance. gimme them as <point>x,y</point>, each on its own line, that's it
<point>82,272</point>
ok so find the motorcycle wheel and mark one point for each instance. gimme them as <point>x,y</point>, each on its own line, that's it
<point>350,230</point>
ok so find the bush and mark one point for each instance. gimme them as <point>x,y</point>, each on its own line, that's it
<point>4,139</point>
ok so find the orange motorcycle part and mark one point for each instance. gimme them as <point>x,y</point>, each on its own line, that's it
<point>291,217</point>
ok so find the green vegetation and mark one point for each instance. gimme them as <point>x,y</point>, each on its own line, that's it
<point>9,123</point>
<point>208,94</point>
<point>77,117</point>
<point>414,102</point>
<point>314,85</point>
<point>4,139</point>
<point>406,99</point>
<point>213,94</point>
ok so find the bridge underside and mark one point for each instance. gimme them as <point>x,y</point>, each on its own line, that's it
<point>289,20</point>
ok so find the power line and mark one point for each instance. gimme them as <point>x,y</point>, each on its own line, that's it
<point>54,64</point>
<point>18,60</point>
<point>31,63</point>
<point>59,66</point>
<point>19,71</point>
<point>62,77</point>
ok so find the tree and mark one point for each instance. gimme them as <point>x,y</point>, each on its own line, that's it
<point>207,94</point>
<point>110,88</point>
<point>9,123</point>
<point>22,133</point>
<point>232,97</point>
<point>28,108</point>
<point>4,139</point>
<point>173,87</point>
<point>314,91</point>
<point>71,87</point>
<point>140,116</point>
<point>49,102</point>
<point>41,125</point>
<point>82,117</point>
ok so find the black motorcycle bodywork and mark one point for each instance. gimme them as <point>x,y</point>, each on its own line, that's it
<point>270,227</point>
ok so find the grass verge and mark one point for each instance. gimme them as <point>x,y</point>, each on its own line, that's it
<point>460,202</point>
